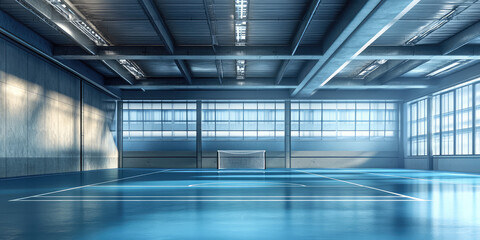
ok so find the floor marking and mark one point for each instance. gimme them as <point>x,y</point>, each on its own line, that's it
<point>218,183</point>
<point>216,196</point>
<point>89,185</point>
<point>428,180</point>
<point>229,186</point>
<point>224,200</point>
<point>360,185</point>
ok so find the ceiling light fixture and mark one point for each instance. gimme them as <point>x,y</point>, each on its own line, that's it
<point>448,67</point>
<point>371,68</point>
<point>132,68</point>
<point>241,11</point>
<point>434,26</point>
<point>81,24</point>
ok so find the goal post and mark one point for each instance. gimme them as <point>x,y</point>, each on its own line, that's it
<point>237,159</point>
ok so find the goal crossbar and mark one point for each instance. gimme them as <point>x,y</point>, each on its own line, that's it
<point>239,159</point>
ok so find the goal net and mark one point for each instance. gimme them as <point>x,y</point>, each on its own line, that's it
<point>228,159</point>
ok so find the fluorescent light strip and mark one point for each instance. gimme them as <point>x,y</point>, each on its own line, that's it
<point>88,31</point>
<point>241,7</point>
<point>371,68</point>
<point>79,23</point>
<point>457,86</point>
<point>132,68</point>
<point>447,68</point>
<point>434,26</point>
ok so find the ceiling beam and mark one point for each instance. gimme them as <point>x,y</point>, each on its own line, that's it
<point>382,69</point>
<point>460,39</point>
<point>377,20</point>
<point>161,28</point>
<point>352,16</point>
<point>191,53</point>
<point>281,71</point>
<point>264,83</point>
<point>397,71</point>
<point>467,75</point>
<point>453,48</point>
<point>208,5</point>
<point>302,29</point>
<point>297,39</point>
<point>46,12</point>
<point>422,52</point>
<point>17,32</point>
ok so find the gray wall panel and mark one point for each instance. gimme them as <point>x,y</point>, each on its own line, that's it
<point>3,167</point>
<point>3,117</point>
<point>36,125</point>
<point>36,75</point>
<point>3,56</point>
<point>36,166</point>
<point>17,167</point>
<point>40,117</point>
<point>209,162</point>
<point>51,124</point>
<point>51,165</point>
<point>345,163</point>
<point>99,150</point>
<point>160,163</point>
<point>16,122</point>
<point>51,81</point>
<point>417,163</point>
<point>469,164</point>
<point>16,64</point>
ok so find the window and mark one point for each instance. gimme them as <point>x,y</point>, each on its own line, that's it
<point>436,114</point>
<point>463,120</point>
<point>446,124</point>
<point>166,120</point>
<point>344,120</point>
<point>417,128</point>
<point>243,120</point>
<point>477,118</point>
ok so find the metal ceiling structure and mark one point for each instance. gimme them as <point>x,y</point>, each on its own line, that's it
<point>299,46</point>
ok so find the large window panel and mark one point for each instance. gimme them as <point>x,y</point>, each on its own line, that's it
<point>159,120</point>
<point>463,120</point>
<point>344,120</point>
<point>417,128</point>
<point>243,120</point>
<point>447,110</point>
<point>436,115</point>
<point>477,118</point>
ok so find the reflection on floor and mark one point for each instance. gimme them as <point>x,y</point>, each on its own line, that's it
<point>242,204</point>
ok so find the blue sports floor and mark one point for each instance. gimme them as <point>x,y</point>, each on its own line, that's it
<point>250,204</point>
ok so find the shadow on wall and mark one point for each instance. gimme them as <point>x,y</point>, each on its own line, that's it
<point>40,118</point>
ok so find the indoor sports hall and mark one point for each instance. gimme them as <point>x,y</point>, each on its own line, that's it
<point>240,119</point>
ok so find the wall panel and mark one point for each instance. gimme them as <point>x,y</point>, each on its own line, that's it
<point>40,118</point>
<point>99,150</point>
<point>3,115</point>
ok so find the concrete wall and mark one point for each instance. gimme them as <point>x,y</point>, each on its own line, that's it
<point>305,154</point>
<point>420,163</point>
<point>99,130</point>
<point>345,154</point>
<point>39,115</point>
<point>469,164</point>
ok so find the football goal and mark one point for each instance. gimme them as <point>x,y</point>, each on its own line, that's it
<point>237,159</point>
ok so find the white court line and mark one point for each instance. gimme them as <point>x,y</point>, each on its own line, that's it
<point>84,186</point>
<point>63,196</point>
<point>218,183</point>
<point>360,185</point>
<point>229,186</point>
<point>222,200</point>
<point>428,180</point>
